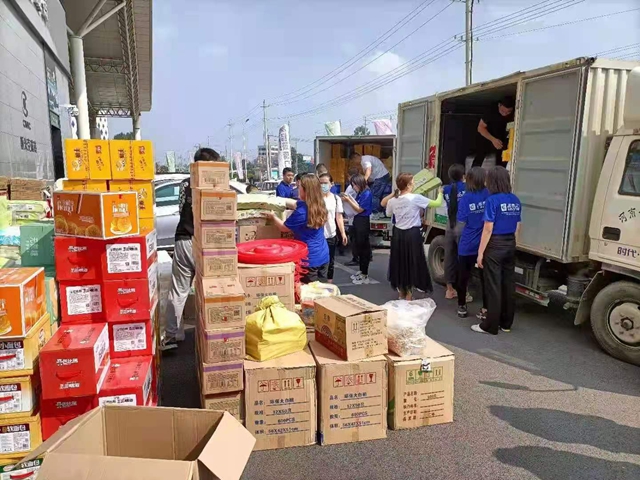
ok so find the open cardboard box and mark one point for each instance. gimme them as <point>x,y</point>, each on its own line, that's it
<point>123,442</point>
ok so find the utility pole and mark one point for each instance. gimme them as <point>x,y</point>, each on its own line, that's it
<point>230,157</point>
<point>468,40</point>
<point>266,138</point>
<point>365,125</point>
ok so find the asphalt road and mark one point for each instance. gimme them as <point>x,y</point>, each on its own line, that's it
<point>542,402</point>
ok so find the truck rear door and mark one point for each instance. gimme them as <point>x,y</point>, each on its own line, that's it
<point>546,125</point>
<point>412,137</point>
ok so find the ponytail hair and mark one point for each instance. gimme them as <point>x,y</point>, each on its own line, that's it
<point>396,193</point>
<point>403,180</point>
<point>456,173</point>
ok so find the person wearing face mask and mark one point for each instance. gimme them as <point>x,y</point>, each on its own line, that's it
<point>408,267</point>
<point>334,228</point>
<point>362,205</point>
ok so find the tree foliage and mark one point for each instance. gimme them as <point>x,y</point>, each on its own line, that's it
<point>361,131</point>
<point>123,136</point>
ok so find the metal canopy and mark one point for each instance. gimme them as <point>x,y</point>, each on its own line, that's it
<point>118,54</point>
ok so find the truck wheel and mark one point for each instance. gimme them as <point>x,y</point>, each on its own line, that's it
<point>615,320</point>
<point>435,259</point>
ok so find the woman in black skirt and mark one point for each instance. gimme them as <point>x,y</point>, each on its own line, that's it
<point>407,263</point>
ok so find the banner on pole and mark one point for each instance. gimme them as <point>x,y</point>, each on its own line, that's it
<point>284,148</point>
<point>237,159</point>
<point>171,161</point>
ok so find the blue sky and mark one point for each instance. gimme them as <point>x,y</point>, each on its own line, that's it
<point>217,60</point>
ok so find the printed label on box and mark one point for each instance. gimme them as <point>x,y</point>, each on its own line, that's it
<point>118,400</point>
<point>218,237</point>
<point>84,299</point>
<point>221,381</point>
<point>15,438</point>
<point>124,258</point>
<point>153,280</point>
<point>146,387</point>
<point>217,208</point>
<point>101,348</point>
<point>152,242</point>
<point>129,337</point>
<point>11,355</point>
<point>10,398</point>
<point>222,315</point>
<point>23,470</point>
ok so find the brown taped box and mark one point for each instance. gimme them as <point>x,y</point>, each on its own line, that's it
<point>259,281</point>
<point>280,396</point>
<point>147,443</point>
<point>223,377</point>
<point>225,345</point>
<point>215,234</point>
<point>227,402</point>
<point>421,388</point>
<point>260,232</point>
<point>350,327</point>
<point>219,302</point>
<point>211,175</point>
<point>215,263</point>
<point>213,206</point>
<point>352,397</point>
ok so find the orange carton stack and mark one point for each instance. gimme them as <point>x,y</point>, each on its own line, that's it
<point>219,296</point>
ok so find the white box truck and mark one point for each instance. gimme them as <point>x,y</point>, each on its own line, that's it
<point>576,169</point>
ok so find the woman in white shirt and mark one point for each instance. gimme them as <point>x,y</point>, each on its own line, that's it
<point>407,263</point>
<point>334,228</point>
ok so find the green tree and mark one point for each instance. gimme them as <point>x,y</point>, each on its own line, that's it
<point>361,131</point>
<point>162,168</point>
<point>123,136</point>
<point>297,162</point>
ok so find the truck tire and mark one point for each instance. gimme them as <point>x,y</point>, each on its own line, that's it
<point>435,259</point>
<point>615,320</point>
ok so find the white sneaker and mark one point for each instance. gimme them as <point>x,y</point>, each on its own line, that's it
<point>478,329</point>
<point>356,275</point>
<point>362,280</point>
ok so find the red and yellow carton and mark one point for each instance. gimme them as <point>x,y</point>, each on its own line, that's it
<point>145,190</point>
<point>57,412</point>
<point>75,362</point>
<point>76,159</point>
<point>130,300</point>
<point>99,159</point>
<point>18,395</point>
<point>128,382</point>
<point>84,185</point>
<point>96,215</point>
<point>78,258</point>
<point>130,257</point>
<point>82,302</point>
<point>22,300</point>
<point>144,166</point>
<point>20,435</point>
<point>210,175</point>
<point>19,357</point>
<point>131,339</point>
<point>147,225</point>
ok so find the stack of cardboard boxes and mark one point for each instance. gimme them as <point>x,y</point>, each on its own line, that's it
<point>219,297</point>
<point>24,329</point>
<point>106,349</point>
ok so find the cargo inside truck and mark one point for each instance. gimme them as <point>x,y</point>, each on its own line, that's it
<point>459,120</point>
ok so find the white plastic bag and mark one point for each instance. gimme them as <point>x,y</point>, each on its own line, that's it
<point>407,323</point>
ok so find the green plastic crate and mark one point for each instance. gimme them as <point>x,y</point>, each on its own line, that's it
<point>36,244</point>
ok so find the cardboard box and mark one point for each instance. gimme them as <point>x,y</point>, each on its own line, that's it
<point>128,300</point>
<point>120,156</point>
<point>20,435</point>
<point>128,382</point>
<point>76,159</point>
<point>96,215</point>
<point>75,362</point>
<point>223,377</point>
<point>82,302</point>
<point>215,263</point>
<point>85,185</point>
<point>259,281</point>
<point>57,412</point>
<point>280,395</point>
<point>130,257</point>
<point>147,225</point>
<point>22,300</point>
<point>250,233</point>
<point>372,149</point>
<point>131,339</point>
<point>147,443</point>
<point>421,388</point>
<point>211,205</point>
<point>36,244</point>
<point>352,397</point>
<point>99,159</point>
<point>19,357</point>
<point>220,302</point>
<point>78,258</point>
<point>144,167</point>
<point>225,345</point>
<point>215,234</point>
<point>145,191</point>
<point>350,327</point>
<point>210,175</point>
<point>18,469</point>
<point>51,296</point>
<point>18,396</point>
<point>227,402</point>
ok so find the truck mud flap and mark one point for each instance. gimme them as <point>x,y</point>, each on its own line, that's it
<point>583,314</point>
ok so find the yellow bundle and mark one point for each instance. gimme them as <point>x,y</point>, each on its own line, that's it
<point>273,331</point>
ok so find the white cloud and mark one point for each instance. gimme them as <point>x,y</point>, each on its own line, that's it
<point>214,50</point>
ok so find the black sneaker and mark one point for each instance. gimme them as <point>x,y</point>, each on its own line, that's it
<point>462,311</point>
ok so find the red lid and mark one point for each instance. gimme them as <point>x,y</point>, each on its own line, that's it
<point>272,251</point>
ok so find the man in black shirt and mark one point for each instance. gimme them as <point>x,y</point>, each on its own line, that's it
<point>183,269</point>
<point>492,131</point>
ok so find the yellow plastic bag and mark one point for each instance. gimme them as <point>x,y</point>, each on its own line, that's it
<point>273,331</point>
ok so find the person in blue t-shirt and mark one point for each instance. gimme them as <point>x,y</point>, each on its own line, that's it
<point>286,188</point>
<point>363,205</point>
<point>497,252</point>
<point>470,220</point>
<point>452,194</point>
<point>307,225</point>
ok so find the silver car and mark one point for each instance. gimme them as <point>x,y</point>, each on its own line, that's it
<point>167,206</point>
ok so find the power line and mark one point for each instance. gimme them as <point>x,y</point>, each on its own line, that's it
<point>629,56</point>
<point>617,49</point>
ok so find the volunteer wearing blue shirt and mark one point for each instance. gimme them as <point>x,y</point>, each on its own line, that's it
<point>470,223</point>
<point>497,252</point>
<point>362,204</point>
<point>307,225</point>
<point>452,194</point>
<point>286,188</point>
